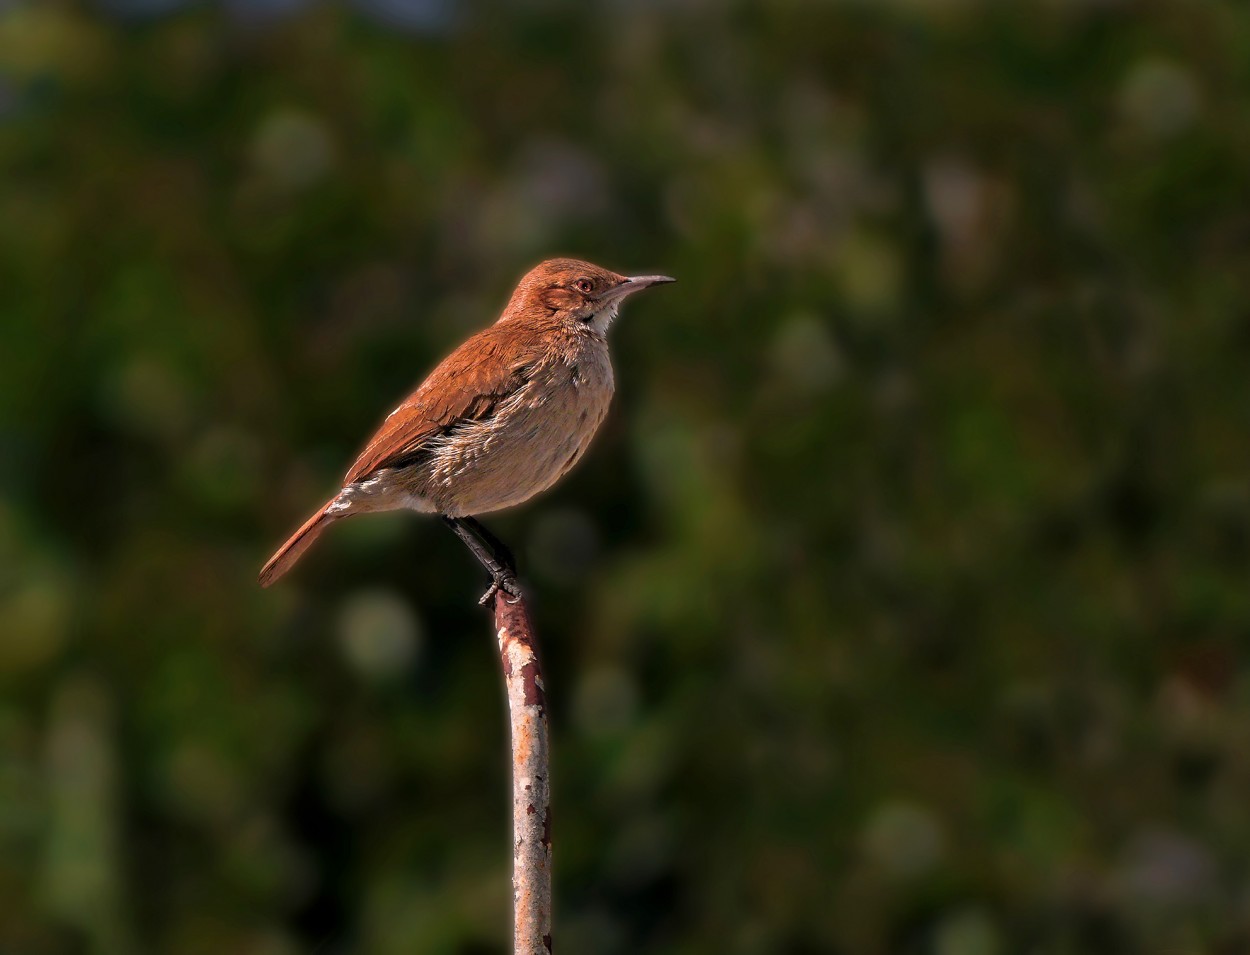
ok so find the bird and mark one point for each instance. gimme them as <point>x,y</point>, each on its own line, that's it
<point>499,420</point>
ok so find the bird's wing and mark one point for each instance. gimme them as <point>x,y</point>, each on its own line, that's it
<point>467,386</point>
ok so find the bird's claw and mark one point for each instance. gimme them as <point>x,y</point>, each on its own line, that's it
<point>505,582</point>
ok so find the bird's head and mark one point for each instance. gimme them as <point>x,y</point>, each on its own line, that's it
<point>577,293</point>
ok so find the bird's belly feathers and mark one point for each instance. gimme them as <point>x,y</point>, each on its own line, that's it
<point>528,444</point>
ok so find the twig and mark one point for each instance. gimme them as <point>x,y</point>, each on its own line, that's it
<point>531,780</point>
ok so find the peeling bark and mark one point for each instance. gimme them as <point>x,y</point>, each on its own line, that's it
<point>531,785</point>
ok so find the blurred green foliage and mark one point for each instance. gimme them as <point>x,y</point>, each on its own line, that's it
<point>901,607</point>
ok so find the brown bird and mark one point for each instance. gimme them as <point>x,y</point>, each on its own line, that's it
<point>502,418</point>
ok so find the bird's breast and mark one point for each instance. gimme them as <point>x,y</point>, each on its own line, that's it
<point>531,440</point>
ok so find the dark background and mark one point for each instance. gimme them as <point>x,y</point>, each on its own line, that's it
<point>900,606</point>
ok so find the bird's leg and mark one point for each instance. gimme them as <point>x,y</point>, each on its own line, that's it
<point>498,547</point>
<point>502,555</point>
<point>502,572</point>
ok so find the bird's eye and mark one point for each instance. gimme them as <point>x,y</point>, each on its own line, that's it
<point>584,286</point>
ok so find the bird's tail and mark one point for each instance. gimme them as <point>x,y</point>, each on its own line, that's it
<point>300,541</point>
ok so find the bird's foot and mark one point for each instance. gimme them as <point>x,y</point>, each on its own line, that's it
<point>505,581</point>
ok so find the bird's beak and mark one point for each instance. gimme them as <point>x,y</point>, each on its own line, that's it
<point>634,283</point>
